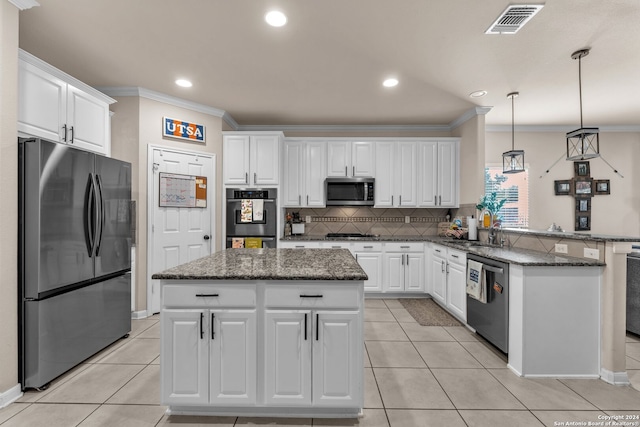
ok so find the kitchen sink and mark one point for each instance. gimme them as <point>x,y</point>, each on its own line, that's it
<point>469,243</point>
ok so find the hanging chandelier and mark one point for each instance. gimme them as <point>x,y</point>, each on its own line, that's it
<point>513,161</point>
<point>583,143</point>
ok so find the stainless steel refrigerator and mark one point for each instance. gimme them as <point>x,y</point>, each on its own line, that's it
<point>74,257</point>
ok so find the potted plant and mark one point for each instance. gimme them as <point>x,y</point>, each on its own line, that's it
<point>490,204</point>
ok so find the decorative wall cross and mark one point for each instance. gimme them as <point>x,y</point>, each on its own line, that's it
<point>582,187</point>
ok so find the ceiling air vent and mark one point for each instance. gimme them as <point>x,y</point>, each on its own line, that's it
<point>513,18</point>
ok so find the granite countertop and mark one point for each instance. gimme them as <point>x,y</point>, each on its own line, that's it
<point>511,255</point>
<point>269,264</point>
<point>575,236</point>
<point>321,238</point>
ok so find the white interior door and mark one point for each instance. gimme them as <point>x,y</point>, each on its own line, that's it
<point>178,235</point>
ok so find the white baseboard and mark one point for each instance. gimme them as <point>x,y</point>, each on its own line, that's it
<point>615,378</point>
<point>10,396</point>
<point>142,314</point>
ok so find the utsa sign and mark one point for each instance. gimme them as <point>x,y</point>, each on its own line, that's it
<point>183,130</point>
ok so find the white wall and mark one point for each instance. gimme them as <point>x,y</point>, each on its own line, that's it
<point>9,195</point>
<point>617,213</point>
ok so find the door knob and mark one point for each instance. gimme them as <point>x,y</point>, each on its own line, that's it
<point>206,237</point>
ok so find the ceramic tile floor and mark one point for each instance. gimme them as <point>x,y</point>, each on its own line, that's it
<point>414,376</point>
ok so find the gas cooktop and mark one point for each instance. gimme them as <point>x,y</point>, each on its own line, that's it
<point>348,235</point>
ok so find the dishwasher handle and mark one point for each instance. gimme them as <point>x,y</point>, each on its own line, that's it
<point>493,269</point>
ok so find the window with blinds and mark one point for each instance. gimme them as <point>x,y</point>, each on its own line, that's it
<point>515,188</point>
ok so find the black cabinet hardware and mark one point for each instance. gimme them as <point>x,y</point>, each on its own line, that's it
<point>201,329</point>
<point>207,295</point>
<point>317,325</point>
<point>311,296</point>
<point>305,326</point>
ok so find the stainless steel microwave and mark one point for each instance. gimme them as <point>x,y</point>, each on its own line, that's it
<point>349,191</point>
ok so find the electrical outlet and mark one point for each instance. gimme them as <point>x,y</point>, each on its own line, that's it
<point>307,219</point>
<point>591,253</point>
<point>561,248</point>
<point>407,219</point>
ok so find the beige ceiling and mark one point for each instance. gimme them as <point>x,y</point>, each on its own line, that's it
<point>326,66</point>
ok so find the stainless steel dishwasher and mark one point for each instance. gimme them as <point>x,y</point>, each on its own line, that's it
<point>491,320</point>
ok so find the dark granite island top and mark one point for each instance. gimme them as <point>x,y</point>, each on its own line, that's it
<point>269,264</point>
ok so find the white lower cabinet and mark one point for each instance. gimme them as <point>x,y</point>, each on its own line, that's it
<point>448,279</point>
<point>403,268</point>
<point>371,263</point>
<point>209,356</point>
<point>308,352</point>
<point>311,358</point>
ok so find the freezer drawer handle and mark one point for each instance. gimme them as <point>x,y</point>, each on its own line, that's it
<point>207,295</point>
<point>311,296</point>
<point>493,269</point>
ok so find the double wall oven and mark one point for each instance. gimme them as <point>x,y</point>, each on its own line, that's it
<point>252,217</point>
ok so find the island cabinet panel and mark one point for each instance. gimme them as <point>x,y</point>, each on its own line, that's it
<point>288,357</point>
<point>233,356</point>
<point>335,352</point>
<point>185,358</point>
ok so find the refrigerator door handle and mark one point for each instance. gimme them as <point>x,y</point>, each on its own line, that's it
<point>89,231</point>
<point>100,217</point>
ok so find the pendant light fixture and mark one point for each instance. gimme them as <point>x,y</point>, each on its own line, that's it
<point>583,143</point>
<point>513,161</point>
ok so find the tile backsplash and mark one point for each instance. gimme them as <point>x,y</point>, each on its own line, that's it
<point>381,221</point>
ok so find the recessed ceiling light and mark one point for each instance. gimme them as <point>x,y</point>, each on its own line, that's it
<point>184,83</point>
<point>275,18</point>
<point>478,94</point>
<point>391,82</point>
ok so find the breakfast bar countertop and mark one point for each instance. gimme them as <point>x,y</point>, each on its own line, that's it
<point>269,264</point>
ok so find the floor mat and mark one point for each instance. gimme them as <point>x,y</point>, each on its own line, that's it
<point>427,313</point>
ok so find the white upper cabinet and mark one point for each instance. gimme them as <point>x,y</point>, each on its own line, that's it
<point>438,180</point>
<point>251,159</point>
<point>57,107</point>
<point>304,173</point>
<point>350,158</point>
<point>396,179</point>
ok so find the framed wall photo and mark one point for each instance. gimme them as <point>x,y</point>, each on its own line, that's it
<point>581,168</point>
<point>583,187</point>
<point>583,222</point>
<point>583,204</point>
<point>603,186</point>
<point>562,187</point>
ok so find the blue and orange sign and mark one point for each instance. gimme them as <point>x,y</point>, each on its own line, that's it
<point>183,130</point>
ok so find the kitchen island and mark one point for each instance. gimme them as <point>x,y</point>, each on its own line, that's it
<point>263,332</point>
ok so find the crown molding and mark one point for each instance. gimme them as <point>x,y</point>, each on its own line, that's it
<point>469,114</point>
<point>24,4</point>
<point>345,128</point>
<point>28,58</point>
<point>559,128</point>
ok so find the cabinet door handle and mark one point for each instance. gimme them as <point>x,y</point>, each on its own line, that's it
<point>300,247</point>
<point>442,262</point>
<point>310,296</point>
<point>447,268</point>
<point>299,199</point>
<point>213,328</point>
<point>356,257</point>
<point>207,295</point>
<point>317,326</point>
<point>201,329</point>
<point>437,250</point>
<point>400,204</point>
<point>305,326</point>
<point>391,200</point>
<point>402,259</point>
<point>354,171</point>
<point>64,128</point>
<point>307,199</point>
<point>255,177</point>
<point>454,256</point>
<point>345,171</point>
<point>439,200</point>
<point>405,247</point>
<point>435,200</point>
<point>407,259</point>
<point>71,132</point>
<point>336,247</point>
<point>368,247</point>
<point>246,177</point>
